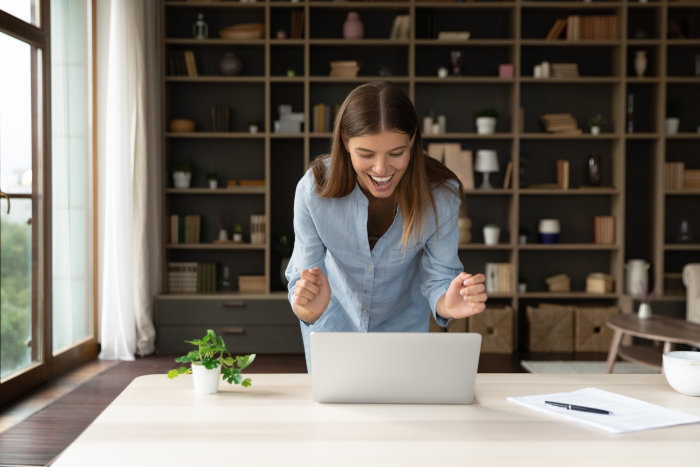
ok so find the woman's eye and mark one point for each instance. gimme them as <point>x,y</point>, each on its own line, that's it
<point>396,154</point>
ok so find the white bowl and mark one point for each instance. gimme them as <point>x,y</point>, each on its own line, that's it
<point>682,370</point>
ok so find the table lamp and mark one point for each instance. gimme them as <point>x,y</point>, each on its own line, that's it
<point>486,163</point>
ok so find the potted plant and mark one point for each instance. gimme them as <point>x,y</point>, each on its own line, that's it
<point>491,234</point>
<point>486,121</point>
<point>284,246</point>
<point>672,117</point>
<point>238,233</point>
<point>210,360</point>
<point>253,125</point>
<point>213,179</point>
<point>182,174</point>
<point>595,122</point>
<point>522,284</point>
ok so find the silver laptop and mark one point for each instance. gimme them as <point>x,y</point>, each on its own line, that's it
<point>394,368</point>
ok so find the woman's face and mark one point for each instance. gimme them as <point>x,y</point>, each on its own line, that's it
<point>380,160</point>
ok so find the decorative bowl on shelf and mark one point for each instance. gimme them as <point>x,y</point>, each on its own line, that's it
<point>181,125</point>
<point>243,31</point>
<point>682,370</point>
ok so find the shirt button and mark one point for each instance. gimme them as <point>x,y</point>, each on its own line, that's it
<point>366,291</point>
<point>369,266</point>
<point>364,311</point>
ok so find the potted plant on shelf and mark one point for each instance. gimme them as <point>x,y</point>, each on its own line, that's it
<point>213,179</point>
<point>210,360</point>
<point>238,233</point>
<point>486,121</point>
<point>182,175</point>
<point>595,122</point>
<point>672,117</point>
<point>284,246</point>
<point>253,126</point>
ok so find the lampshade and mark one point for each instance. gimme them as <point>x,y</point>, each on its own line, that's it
<point>486,160</point>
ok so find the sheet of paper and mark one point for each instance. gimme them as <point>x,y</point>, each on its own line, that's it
<point>629,414</point>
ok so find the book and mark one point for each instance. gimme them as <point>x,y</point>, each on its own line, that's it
<point>460,162</point>
<point>604,230</point>
<point>556,29</point>
<point>508,175</point>
<point>563,174</point>
<point>190,63</point>
<point>401,28</point>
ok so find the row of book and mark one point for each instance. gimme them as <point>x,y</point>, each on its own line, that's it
<point>499,277</point>
<point>181,63</point>
<point>576,27</point>
<point>677,177</point>
<point>191,277</point>
<point>324,117</point>
<point>604,230</point>
<point>185,228</point>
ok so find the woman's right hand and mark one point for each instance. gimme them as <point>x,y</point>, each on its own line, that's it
<point>312,293</point>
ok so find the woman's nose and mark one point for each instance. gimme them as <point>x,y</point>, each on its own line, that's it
<point>380,165</point>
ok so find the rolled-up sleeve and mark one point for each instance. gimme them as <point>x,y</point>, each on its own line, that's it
<point>309,250</point>
<point>440,261</point>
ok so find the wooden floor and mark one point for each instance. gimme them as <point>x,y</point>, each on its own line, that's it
<point>41,436</point>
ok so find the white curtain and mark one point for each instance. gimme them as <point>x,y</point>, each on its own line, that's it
<point>128,108</point>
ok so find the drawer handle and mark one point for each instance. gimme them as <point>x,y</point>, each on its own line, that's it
<point>233,331</point>
<point>233,304</point>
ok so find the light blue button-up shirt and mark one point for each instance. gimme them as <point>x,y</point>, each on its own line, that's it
<point>382,289</point>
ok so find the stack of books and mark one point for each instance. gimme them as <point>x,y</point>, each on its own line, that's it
<point>563,174</point>
<point>604,230</point>
<point>674,178</point>
<point>181,63</point>
<point>499,277</point>
<point>560,123</point>
<point>324,117</point>
<point>691,179</point>
<point>220,118</point>
<point>565,70</point>
<point>344,69</point>
<point>185,229</point>
<point>191,277</point>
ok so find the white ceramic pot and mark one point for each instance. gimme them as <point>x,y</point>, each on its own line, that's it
<point>485,125</point>
<point>182,179</point>
<point>644,311</point>
<point>637,277</point>
<point>213,184</point>
<point>595,130</point>
<point>672,125</point>
<point>491,235</point>
<point>253,129</point>
<point>682,370</point>
<point>237,238</point>
<point>205,381</point>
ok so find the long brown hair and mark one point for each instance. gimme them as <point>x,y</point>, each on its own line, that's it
<point>370,109</point>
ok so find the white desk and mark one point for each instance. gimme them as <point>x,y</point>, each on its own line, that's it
<point>160,422</point>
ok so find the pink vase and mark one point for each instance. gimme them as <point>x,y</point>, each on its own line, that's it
<point>353,27</point>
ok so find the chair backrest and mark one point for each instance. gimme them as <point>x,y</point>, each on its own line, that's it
<point>691,279</point>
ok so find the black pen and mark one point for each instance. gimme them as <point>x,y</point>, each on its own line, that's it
<point>580,408</point>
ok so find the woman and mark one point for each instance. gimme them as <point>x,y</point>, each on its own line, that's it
<point>376,227</point>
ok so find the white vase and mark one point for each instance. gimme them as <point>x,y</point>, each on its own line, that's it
<point>485,125</point>
<point>644,311</point>
<point>595,130</point>
<point>491,235</point>
<point>672,125</point>
<point>640,62</point>
<point>637,277</point>
<point>205,381</point>
<point>182,179</point>
<point>213,184</point>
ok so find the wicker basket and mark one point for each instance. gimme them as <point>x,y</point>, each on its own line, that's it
<point>243,31</point>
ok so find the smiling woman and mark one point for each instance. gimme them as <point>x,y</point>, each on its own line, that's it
<point>375,223</point>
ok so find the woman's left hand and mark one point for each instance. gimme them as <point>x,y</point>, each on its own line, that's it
<point>466,295</point>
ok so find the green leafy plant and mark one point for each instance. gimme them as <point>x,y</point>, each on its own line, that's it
<point>284,244</point>
<point>212,352</point>
<point>489,112</point>
<point>181,167</point>
<point>253,122</point>
<point>596,120</point>
<point>673,109</point>
<point>212,176</point>
<point>238,228</point>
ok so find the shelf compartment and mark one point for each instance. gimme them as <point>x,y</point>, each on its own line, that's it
<point>537,18</point>
<point>374,60</point>
<point>327,23</point>
<point>180,20</point>
<point>216,135</point>
<point>592,60</point>
<point>581,191</point>
<point>482,23</point>
<point>476,61</point>
<point>214,246</point>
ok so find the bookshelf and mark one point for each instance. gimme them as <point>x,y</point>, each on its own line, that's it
<point>294,71</point>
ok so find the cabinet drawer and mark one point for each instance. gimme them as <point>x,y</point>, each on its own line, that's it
<point>238,339</point>
<point>213,312</point>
